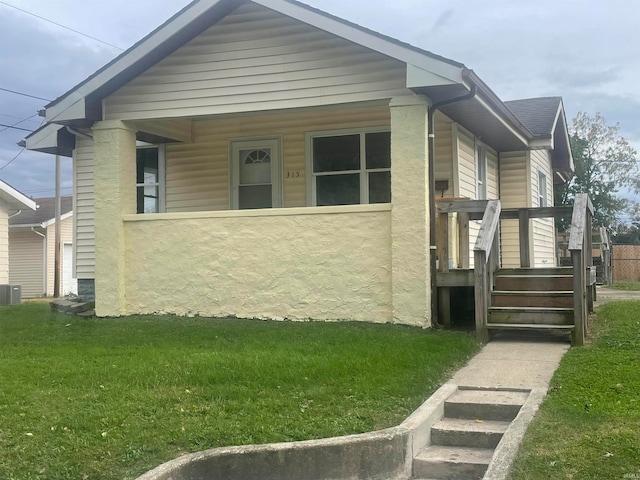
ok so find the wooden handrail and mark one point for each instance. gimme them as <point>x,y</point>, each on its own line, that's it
<point>581,256</point>
<point>486,259</point>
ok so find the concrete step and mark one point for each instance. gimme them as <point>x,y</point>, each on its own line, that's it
<point>460,432</point>
<point>530,315</point>
<point>448,463</point>
<point>534,282</point>
<point>532,298</point>
<point>485,404</point>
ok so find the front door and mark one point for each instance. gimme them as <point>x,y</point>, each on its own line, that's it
<point>256,175</point>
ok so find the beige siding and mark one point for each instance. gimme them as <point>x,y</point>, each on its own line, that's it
<point>26,261</point>
<point>197,174</point>
<point>466,164</point>
<point>4,242</point>
<point>493,186</point>
<point>257,59</point>
<point>66,236</point>
<point>83,207</point>
<point>444,153</point>
<point>513,193</point>
<point>544,245</point>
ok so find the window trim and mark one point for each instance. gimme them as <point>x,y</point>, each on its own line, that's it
<point>543,200</point>
<point>362,171</point>
<point>161,176</point>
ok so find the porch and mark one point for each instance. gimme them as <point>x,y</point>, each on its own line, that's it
<point>524,298</point>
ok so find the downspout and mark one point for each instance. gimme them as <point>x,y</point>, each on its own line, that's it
<point>14,214</point>
<point>44,261</point>
<point>432,195</point>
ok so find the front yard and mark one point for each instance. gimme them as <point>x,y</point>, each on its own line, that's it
<point>588,428</point>
<point>112,398</point>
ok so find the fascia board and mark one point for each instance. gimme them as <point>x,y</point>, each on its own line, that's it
<point>44,138</point>
<point>14,198</point>
<point>518,135</point>
<point>52,221</point>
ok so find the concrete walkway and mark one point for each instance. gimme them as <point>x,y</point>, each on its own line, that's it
<point>514,360</point>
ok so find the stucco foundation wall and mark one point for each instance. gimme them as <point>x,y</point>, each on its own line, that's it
<point>329,263</point>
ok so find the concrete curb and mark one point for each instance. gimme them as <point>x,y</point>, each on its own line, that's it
<point>507,450</point>
<point>380,455</point>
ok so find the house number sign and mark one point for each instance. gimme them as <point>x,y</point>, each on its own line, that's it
<point>292,174</point>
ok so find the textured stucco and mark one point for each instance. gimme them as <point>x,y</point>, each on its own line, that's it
<point>329,263</point>
<point>410,213</point>
<point>114,176</point>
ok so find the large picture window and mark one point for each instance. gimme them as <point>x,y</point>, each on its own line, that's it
<point>350,168</point>
<point>149,179</point>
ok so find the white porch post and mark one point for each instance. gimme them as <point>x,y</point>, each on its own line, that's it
<point>115,195</point>
<point>411,289</point>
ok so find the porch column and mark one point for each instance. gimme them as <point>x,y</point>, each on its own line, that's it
<point>410,271</point>
<point>115,195</point>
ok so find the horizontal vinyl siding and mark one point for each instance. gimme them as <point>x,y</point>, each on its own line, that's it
<point>26,261</point>
<point>493,188</point>
<point>83,208</point>
<point>257,59</point>
<point>66,236</point>
<point>444,154</point>
<point>513,193</point>
<point>544,245</point>
<point>466,164</point>
<point>4,242</point>
<point>197,174</point>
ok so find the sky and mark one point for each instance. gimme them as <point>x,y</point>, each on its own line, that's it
<point>583,50</point>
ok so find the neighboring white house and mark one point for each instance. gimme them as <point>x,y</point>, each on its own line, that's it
<point>265,159</point>
<point>12,202</point>
<point>32,249</point>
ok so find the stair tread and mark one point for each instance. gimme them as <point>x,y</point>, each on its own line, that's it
<point>532,309</point>
<point>460,455</point>
<point>540,326</point>
<point>533,292</point>
<point>489,397</point>
<point>475,426</point>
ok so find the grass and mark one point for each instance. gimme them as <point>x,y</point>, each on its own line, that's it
<point>588,428</point>
<point>626,285</point>
<point>110,399</point>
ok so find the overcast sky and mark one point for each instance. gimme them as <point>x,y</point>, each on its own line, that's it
<point>583,50</point>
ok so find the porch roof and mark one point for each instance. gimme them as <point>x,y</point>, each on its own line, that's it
<point>15,199</point>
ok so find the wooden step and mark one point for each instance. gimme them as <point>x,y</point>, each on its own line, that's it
<point>534,282</point>
<point>559,316</point>
<point>527,298</point>
<point>536,271</point>
<point>530,326</point>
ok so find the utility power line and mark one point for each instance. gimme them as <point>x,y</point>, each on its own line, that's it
<point>23,94</point>
<point>14,128</point>
<point>61,26</point>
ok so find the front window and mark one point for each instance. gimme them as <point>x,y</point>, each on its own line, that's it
<point>351,168</point>
<point>542,189</point>
<point>149,180</point>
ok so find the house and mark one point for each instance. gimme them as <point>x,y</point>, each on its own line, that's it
<point>266,159</point>
<point>12,202</point>
<point>32,249</point>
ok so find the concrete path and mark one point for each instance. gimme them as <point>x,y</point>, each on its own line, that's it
<point>513,360</point>
<point>606,295</point>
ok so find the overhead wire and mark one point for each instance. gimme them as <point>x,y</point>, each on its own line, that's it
<point>61,26</point>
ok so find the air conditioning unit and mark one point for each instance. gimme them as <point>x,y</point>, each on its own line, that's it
<point>10,294</point>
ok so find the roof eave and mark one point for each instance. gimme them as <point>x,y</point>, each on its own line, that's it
<point>14,198</point>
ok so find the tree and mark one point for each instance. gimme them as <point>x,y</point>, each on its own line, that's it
<point>604,163</point>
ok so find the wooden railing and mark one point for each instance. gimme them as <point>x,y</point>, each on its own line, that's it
<point>605,256</point>
<point>581,256</point>
<point>486,260</point>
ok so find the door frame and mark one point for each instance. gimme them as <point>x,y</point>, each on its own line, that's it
<point>274,144</point>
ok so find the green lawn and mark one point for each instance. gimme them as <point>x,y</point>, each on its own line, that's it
<point>626,285</point>
<point>112,398</point>
<point>588,428</point>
